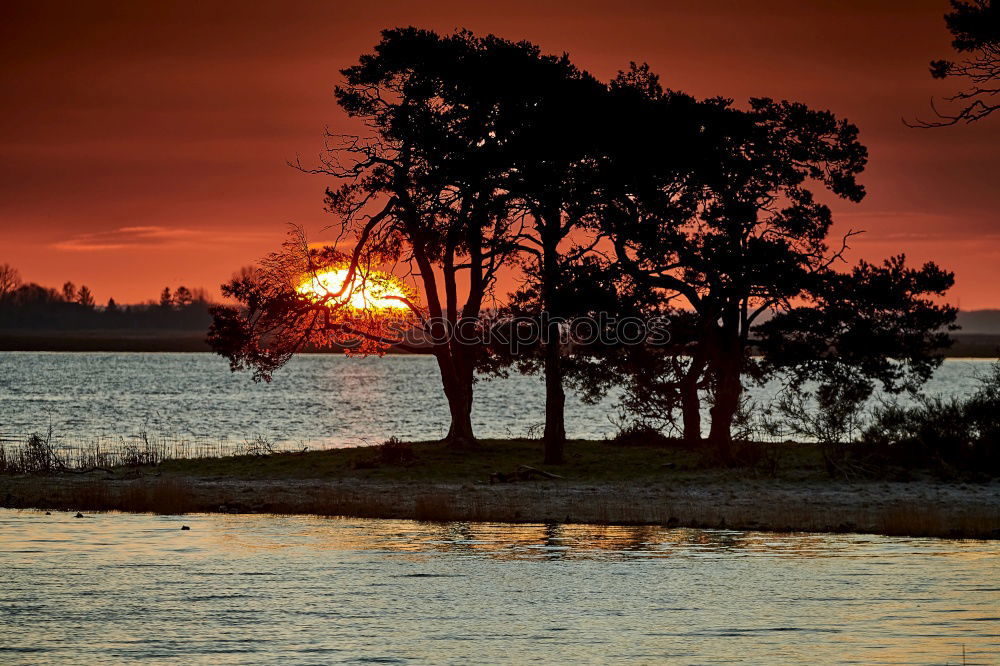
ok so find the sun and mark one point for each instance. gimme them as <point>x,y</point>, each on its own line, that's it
<point>373,291</point>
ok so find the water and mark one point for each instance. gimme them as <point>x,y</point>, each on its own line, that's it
<point>112,588</point>
<point>316,401</point>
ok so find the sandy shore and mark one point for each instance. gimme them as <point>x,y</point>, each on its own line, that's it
<point>918,508</point>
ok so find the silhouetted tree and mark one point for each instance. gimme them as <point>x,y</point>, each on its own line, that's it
<point>549,119</point>
<point>574,140</point>
<point>874,326</point>
<point>84,297</point>
<point>432,102</point>
<point>277,318</point>
<point>739,235</point>
<point>34,307</point>
<point>483,150</point>
<point>975,27</point>
<point>183,297</point>
<point>877,324</point>
<point>35,294</point>
<point>430,173</point>
<point>10,280</point>
<point>656,180</point>
<point>166,298</point>
<point>69,292</point>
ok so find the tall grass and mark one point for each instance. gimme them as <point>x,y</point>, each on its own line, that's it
<point>42,454</point>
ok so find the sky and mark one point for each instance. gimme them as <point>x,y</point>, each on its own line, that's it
<point>144,144</point>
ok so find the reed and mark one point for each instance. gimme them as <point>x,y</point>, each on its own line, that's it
<point>44,454</point>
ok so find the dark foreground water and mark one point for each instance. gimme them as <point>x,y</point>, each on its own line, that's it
<point>113,588</point>
<point>317,401</point>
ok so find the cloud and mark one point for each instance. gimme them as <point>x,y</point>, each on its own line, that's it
<point>152,237</point>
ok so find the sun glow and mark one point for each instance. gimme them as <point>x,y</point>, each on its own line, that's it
<point>372,291</point>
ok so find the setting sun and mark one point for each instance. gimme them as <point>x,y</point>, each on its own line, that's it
<point>372,291</point>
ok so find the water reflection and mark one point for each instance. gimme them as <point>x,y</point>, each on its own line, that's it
<point>250,589</point>
<point>564,541</point>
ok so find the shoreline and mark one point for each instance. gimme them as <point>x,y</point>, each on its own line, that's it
<point>916,509</point>
<point>784,488</point>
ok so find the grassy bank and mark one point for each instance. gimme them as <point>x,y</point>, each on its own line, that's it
<point>600,483</point>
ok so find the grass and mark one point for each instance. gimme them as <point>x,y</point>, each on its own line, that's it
<point>586,461</point>
<point>626,460</point>
<point>601,482</point>
<point>42,454</point>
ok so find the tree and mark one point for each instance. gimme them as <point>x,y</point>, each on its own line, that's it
<point>166,298</point>
<point>69,292</point>
<point>738,234</point>
<point>183,297</point>
<point>874,324</point>
<point>10,280</point>
<point>975,27</point>
<point>112,307</point>
<point>574,141</point>
<point>422,190</point>
<point>742,235</point>
<point>84,297</point>
<point>548,120</point>
<point>438,159</point>
<point>282,313</point>
<point>764,236</point>
<point>32,295</point>
<point>657,178</point>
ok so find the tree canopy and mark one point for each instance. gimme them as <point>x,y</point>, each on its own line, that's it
<point>975,28</point>
<point>623,198</point>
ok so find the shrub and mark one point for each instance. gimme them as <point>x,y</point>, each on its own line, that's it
<point>393,451</point>
<point>35,456</point>
<point>258,446</point>
<point>640,434</point>
<point>950,434</point>
<point>832,417</point>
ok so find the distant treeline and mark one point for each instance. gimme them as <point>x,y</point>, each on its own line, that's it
<point>71,308</point>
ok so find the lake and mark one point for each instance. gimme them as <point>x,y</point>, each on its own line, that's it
<point>247,589</point>
<point>241,589</point>
<point>317,401</point>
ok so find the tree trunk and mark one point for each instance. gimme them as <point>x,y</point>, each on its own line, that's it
<point>458,390</point>
<point>555,398</point>
<point>691,412</point>
<point>728,391</point>
<point>555,402</point>
<point>690,402</point>
<point>460,434</point>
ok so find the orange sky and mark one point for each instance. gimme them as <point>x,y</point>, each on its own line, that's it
<point>144,143</point>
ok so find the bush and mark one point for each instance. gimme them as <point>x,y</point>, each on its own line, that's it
<point>259,446</point>
<point>393,451</point>
<point>640,434</point>
<point>950,434</point>
<point>832,416</point>
<point>35,456</point>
